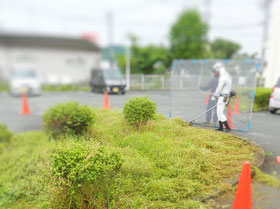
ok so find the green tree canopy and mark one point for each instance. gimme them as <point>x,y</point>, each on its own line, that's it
<point>148,59</point>
<point>152,59</point>
<point>188,36</point>
<point>224,49</point>
<point>188,40</point>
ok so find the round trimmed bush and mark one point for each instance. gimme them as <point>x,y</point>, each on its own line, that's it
<point>86,170</point>
<point>68,119</point>
<point>81,164</point>
<point>137,111</point>
<point>5,133</point>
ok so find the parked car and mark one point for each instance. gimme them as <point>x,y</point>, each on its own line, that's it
<point>24,79</point>
<point>274,101</point>
<point>110,80</point>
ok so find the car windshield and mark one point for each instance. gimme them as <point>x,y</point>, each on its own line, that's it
<point>113,74</point>
<point>24,74</point>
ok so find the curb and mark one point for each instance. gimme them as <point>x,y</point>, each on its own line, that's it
<point>257,162</point>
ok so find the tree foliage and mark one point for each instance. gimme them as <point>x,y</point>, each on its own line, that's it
<point>224,49</point>
<point>148,59</point>
<point>187,40</point>
<point>188,36</point>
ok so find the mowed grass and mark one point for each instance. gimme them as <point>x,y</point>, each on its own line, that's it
<point>167,164</point>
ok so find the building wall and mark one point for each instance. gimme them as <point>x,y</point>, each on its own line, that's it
<point>272,70</point>
<point>52,65</point>
<point>3,63</point>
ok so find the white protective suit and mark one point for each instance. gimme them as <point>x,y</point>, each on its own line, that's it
<point>223,90</point>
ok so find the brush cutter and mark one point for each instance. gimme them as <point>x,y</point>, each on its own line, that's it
<point>232,95</point>
<point>201,114</point>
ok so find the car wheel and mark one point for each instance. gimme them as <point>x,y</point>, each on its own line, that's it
<point>273,111</point>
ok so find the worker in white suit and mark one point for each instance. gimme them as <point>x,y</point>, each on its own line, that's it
<point>222,94</point>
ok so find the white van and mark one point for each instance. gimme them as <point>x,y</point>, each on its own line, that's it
<point>24,79</point>
<point>274,102</point>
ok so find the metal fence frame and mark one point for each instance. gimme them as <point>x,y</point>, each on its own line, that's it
<point>148,82</point>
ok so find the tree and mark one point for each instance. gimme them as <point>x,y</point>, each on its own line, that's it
<point>224,49</point>
<point>188,36</point>
<point>242,56</point>
<point>152,59</point>
<point>148,59</point>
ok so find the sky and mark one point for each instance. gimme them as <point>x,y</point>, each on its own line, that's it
<point>150,20</point>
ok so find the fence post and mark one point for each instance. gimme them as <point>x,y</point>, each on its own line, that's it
<point>162,81</point>
<point>143,82</point>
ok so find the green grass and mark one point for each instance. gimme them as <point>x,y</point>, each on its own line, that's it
<point>266,179</point>
<point>4,86</point>
<point>167,164</point>
<point>70,87</point>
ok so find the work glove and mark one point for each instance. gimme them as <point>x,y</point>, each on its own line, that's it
<point>214,98</point>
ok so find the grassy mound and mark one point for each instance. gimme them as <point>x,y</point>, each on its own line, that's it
<point>167,164</point>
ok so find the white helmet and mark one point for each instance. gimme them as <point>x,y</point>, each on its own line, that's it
<point>218,66</point>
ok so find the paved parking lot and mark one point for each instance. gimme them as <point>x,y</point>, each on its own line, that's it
<point>265,127</point>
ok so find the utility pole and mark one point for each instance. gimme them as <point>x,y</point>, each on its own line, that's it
<point>207,11</point>
<point>265,6</point>
<point>127,66</point>
<point>110,28</point>
<point>207,16</point>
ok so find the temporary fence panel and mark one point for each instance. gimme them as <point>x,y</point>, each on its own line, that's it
<point>136,81</point>
<point>148,82</point>
<point>191,94</point>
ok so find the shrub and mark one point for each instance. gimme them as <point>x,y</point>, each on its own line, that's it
<point>88,173</point>
<point>68,119</point>
<point>137,111</point>
<point>262,99</point>
<point>5,133</point>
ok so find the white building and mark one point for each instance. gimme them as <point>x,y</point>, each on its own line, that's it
<point>271,72</point>
<point>56,59</point>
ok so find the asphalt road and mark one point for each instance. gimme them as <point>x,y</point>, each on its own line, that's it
<point>265,126</point>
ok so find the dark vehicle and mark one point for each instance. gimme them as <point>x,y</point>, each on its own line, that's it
<point>110,80</point>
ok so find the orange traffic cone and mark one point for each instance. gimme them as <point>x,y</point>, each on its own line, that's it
<point>106,101</point>
<point>236,106</point>
<point>206,98</point>
<point>278,159</point>
<point>243,199</point>
<point>229,116</point>
<point>25,109</point>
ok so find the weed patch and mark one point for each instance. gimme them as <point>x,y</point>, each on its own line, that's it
<point>5,133</point>
<point>266,179</point>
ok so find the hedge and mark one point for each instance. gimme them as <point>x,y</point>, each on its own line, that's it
<point>261,99</point>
